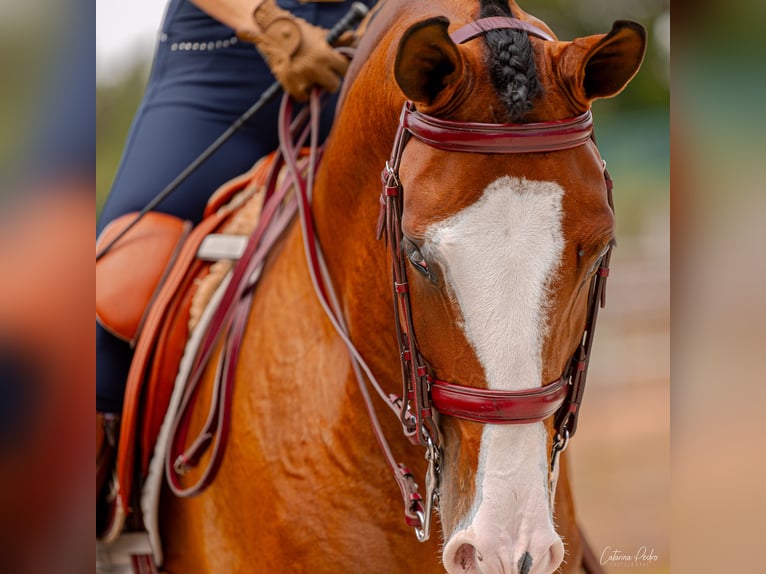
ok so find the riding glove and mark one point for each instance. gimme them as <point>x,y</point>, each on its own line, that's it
<point>296,51</point>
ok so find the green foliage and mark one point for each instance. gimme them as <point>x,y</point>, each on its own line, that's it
<point>22,65</point>
<point>636,146</point>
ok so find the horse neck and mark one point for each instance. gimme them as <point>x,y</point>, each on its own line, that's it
<point>346,197</point>
<point>346,204</point>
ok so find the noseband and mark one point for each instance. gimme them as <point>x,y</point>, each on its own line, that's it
<point>423,392</point>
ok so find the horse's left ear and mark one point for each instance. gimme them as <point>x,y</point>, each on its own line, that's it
<point>601,66</point>
<point>427,61</point>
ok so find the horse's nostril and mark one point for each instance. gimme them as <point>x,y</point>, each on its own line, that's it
<point>466,558</point>
<point>525,563</point>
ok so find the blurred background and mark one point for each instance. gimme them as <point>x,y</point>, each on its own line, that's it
<point>47,285</point>
<point>719,282</point>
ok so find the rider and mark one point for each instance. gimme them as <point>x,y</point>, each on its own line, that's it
<point>205,74</point>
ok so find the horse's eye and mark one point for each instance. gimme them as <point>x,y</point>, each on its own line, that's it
<point>416,258</point>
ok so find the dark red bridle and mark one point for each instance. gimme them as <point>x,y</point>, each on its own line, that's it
<point>423,392</point>
<point>422,389</point>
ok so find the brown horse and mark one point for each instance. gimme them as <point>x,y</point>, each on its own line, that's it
<point>501,231</point>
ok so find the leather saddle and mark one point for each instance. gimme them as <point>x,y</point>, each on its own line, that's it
<point>147,286</point>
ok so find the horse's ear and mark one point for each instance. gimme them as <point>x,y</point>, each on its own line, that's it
<point>601,66</point>
<point>427,60</point>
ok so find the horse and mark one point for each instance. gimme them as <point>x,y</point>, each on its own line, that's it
<point>498,223</point>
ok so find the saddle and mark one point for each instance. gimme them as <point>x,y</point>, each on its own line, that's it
<point>170,324</point>
<point>152,288</point>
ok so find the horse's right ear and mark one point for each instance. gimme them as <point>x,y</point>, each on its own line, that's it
<point>427,60</point>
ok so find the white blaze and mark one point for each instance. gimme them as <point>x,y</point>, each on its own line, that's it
<point>499,256</point>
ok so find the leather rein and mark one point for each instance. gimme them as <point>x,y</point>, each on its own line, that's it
<point>423,393</point>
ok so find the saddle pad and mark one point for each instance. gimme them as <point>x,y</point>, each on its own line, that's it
<point>152,487</point>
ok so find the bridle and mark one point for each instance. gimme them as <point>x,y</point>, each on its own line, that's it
<point>422,389</point>
<point>478,405</point>
<point>423,393</point>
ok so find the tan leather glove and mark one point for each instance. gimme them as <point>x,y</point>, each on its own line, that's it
<point>296,51</point>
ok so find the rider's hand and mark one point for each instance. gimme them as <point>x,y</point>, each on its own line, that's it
<point>296,51</point>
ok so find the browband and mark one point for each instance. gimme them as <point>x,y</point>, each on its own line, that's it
<point>497,138</point>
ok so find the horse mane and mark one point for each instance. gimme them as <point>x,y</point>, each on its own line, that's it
<point>511,63</point>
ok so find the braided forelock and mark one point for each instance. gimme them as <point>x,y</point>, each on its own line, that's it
<point>511,62</point>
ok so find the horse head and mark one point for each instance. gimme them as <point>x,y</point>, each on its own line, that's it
<point>503,248</point>
<point>500,247</point>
